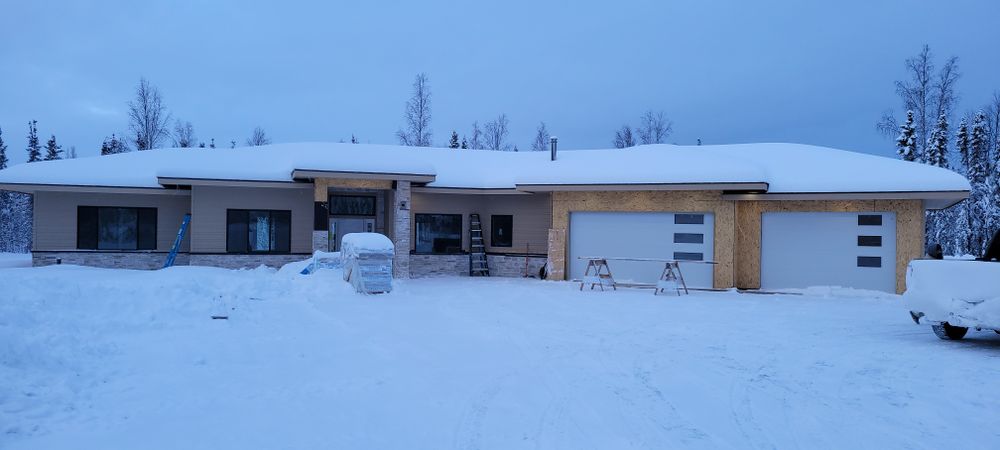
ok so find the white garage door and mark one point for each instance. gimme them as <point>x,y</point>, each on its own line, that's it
<point>828,249</point>
<point>642,235</point>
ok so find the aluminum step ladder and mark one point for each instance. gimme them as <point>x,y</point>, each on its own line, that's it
<point>478,265</point>
<point>177,242</point>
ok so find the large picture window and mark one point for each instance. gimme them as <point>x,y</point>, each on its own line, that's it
<point>258,231</point>
<point>438,233</point>
<point>502,231</point>
<point>114,228</point>
<point>352,205</point>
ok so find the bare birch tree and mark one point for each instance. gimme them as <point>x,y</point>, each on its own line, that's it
<point>654,127</point>
<point>541,142</point>
<point>148,118</point>
<point>495,133</point>
<point>417,115</point>
<point>624,137</point>
<point>184,134</point>
<point>256,139</point>
<point>476,141</point>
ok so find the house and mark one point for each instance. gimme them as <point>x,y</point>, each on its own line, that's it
<point>770,215</point>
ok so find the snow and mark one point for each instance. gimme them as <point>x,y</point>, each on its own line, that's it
<point>962,293</point>
<point>787,168</point>
<point>97,358</point>
<point>15,260</point>
<point>353,244</point>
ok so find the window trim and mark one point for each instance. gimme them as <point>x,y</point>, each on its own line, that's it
<point>461,224</point>
<point>493,227</point>
<point>97,229</point>
<point>270,214</point>
<point>329,203</point>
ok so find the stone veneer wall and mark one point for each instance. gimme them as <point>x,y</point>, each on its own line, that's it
<point>109,260</point>
<point>909,231</point>
<point>439,265</point>
<point>646,201</point>
<point>513,266</point>
<point>321,241</point>
<point>458,265</point>
<point>244,261</point>
<point>401,230</point>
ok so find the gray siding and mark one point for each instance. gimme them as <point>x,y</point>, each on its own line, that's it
<point>209,205</point>
<point>54,225</point>
<point>532,216</point>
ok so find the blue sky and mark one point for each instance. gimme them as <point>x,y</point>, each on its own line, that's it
<point>723,71</point>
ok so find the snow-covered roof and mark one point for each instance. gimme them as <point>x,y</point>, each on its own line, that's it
<point>779,168</point>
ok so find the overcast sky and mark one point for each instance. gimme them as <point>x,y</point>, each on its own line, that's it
<point>723,71</point>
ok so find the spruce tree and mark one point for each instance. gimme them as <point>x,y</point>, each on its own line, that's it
<point>936,151</point>
<point>34,149</point>
<point>354,140</point>
<point>52,150</point>
<point>906,142</point>
<point>465,144</point>
<point>962,142</point>
<point>454,140</point>
<point>212,145</point>
<point>3,152</point>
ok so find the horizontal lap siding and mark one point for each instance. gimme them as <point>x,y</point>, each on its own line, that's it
<point>55,216</point>
<point>532,216</point>
<point>209,205</point>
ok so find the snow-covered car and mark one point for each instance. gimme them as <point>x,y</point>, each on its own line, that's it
<point>955,295</point>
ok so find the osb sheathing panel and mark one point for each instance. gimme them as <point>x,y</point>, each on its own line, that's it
<point>650,201</point>
<point>323,185</point>
<point>909,231</point>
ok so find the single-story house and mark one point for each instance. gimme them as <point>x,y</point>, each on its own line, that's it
<point>769,215</point>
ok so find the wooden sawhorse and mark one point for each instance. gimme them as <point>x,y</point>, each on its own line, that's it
<point>601,272</point>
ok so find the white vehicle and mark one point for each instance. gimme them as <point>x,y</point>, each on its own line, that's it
<point>955,295</point>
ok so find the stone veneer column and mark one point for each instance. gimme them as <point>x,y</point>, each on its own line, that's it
<point>401,230</point>
<point>557,255</point>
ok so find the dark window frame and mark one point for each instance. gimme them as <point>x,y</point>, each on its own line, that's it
<point>96,239</point>
<point>416,243</point>
<point>870,261</point>
<point>689,218</point>
<point>689,256</point>
<point>493,231</point>
<point>869,241</point>
<point>688,238</point>
<point>870,220</point>
<point>271,223</point>
<point>374,200</point>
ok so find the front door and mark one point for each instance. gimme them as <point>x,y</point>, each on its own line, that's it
<point>342,226</point>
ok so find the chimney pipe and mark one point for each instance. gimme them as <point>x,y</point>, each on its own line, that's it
<point>553,144</point>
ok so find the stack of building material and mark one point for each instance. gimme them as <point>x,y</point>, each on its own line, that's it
<point>367,260</point>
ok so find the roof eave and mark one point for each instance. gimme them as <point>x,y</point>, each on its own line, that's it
<point>932,199</point>
<point>711,186</point>
<point>305,174</point>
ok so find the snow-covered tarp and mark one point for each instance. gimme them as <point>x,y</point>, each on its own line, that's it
<point>962,293</point>
<point>367,259</point>
<point>786,168</point>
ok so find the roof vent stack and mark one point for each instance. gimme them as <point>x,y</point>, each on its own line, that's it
<point>553,143</point>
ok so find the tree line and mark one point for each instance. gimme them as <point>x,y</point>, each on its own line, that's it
<point>494,134</point>
<point>929,96</point>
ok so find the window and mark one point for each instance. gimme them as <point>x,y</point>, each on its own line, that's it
<point>870,219</point>
<point>869,261</point>
<point>501,231</point>
<point>258,231</point>
<point>869,241</point>
<point>438,233</point>
<point>112,228</point>
<point>689,238</point>
<point>689,219</point>
<point>352,205</point>
<point>688,256</point>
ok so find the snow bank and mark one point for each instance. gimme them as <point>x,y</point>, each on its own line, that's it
<point>962,293</point>
<point>787,168</point>
<point>8,260</point>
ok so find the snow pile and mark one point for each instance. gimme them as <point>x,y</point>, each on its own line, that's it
<point>118,359</point>
<point>367,259</point>
<point>786,168</point>
<point>8,260</point>
<point>962,293</point>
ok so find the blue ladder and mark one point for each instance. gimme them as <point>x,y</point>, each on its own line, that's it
<point>177,242</point>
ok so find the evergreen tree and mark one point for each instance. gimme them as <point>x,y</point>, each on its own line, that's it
<point>465,144</point>
<point>906,142</point>
<point>962,142</point>
<point>3,154</point>
<point>52,150</point>
<point>354,140</point>
<point>983,209</point>
<point>454,140</point>
<point>936,151</point>
<point>113,146</point>
<point>34,149</point>
<point>201,145</point>
<point>212,145</point>
<point>979,150</point>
